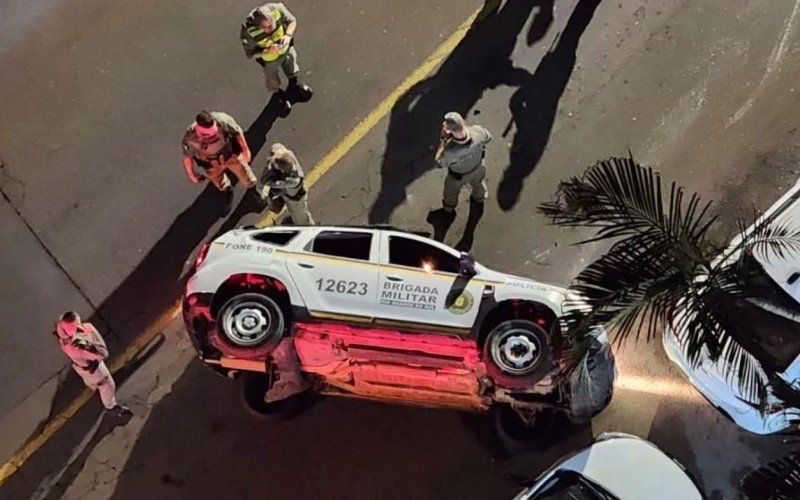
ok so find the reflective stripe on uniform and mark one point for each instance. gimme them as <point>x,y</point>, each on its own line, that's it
<point>263,40</point>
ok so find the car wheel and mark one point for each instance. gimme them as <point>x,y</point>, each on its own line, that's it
<point>251,320</point>
<point>519,433</point>
<point>255,387</point>
<point>518,353</point>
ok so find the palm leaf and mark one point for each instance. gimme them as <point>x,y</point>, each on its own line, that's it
<point>659,270</point>
<point>620,198</point>
<point>770,238</point>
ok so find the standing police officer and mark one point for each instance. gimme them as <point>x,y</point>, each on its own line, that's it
<point>87,350</point>
<point>284,184</point>
<point>267,36</point>
<point>214,144</point>
<point>461,151</point>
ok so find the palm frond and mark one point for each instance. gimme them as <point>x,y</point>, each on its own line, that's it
<point>710,319</point>
<point>621,198</point>
<point>771,238</point>
<point>659,270</point>
<point>631,282</point>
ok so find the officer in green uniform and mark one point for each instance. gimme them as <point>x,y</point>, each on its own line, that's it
<point>267,35</point>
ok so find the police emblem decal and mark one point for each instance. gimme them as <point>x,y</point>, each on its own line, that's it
<point>462,304</point>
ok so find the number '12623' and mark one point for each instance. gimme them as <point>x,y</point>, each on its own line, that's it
<point>341,286</point>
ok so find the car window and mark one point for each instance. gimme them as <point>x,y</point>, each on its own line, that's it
<point>777,343</point>
<point>278,238</point>
<point>414,253</point>
<point>569,485</point>
<point>351,245</point>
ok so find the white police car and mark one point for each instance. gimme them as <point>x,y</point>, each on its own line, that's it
<point>383,314</point>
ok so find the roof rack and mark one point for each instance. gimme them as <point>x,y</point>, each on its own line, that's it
<point>383,227</point>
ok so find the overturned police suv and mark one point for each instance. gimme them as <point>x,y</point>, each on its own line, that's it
<point>383,314</point>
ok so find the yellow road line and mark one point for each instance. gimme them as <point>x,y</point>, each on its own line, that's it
<point>368,123</point>
<point>328,161</point>
<point>143,340</point>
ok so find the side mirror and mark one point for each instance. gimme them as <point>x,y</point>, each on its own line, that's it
<point>467,265</point>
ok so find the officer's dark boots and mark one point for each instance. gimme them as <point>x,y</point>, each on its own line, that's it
<point>298,92</point>
<point>283,102</point>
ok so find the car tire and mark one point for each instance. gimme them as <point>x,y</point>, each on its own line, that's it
<point>517,353</point>
<point>516,436</point>
<point>256,385</point>
<point>249,326</point>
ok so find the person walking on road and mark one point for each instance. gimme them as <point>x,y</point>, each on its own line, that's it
<point>284,184</point>
<point>212,144</point>
<point>267,36</point>
<point>461,151</point>
<point>87,350</point>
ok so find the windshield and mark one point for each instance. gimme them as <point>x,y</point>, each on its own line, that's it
<point>569,485</point>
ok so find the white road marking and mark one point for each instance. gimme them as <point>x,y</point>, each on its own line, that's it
<point>773,65</point>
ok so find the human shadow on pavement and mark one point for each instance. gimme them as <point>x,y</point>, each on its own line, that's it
<point>468,237</point>
<point>148,291</point>
<point>441,221</point>
<point>533,106</point>
<point>481,61</point>
<point>105,426</point>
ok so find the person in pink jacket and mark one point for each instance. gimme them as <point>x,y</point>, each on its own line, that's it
<point>87,350</point>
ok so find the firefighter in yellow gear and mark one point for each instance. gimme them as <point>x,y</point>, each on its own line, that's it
<point>267,36</point>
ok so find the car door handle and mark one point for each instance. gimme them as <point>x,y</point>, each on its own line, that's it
<point>394,278</point>
<point>793,278</point>
<point>305,265</point>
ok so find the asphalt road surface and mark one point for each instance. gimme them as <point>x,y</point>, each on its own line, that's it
<point>97,94</point>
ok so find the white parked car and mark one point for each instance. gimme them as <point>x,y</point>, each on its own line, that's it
<point>383,314</point>
<point>776,333</point>
<point>616,466</point>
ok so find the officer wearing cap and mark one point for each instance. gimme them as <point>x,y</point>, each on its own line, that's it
<point>267,36</point>
<point>284,184</point>
<point>461,151</point>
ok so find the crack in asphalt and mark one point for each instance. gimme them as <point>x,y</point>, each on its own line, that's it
<point>4,175</point>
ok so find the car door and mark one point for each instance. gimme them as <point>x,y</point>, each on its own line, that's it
<point>337,274</point>
<point>419,283</point>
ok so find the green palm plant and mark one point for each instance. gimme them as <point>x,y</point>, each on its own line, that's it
<point>663,268</point>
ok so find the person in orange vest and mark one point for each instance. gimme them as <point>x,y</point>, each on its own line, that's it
<point>268,37</point>
<point>87,350</point>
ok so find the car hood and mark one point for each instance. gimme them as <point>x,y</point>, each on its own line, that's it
<point>632,468</point>
<point>508,284</point>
